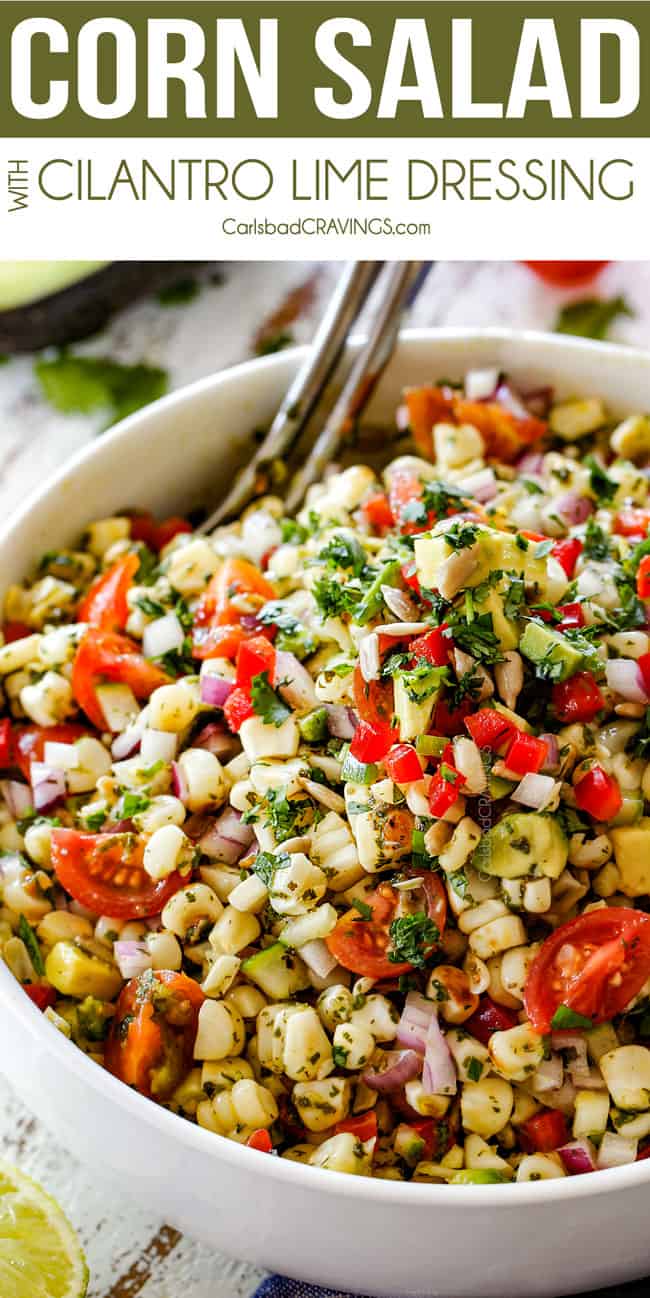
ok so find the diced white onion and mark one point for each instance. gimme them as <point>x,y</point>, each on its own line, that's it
<point>616,1150</point>
<point>64,757</point>
<point>624,677</point>
<point>369,660</point>
<point>161,636</point>
<point>534,791</point>
<point>480,384</point>
<point>158,746</point>
<point>318,957</point>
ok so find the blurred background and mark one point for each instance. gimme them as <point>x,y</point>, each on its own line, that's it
<point>82,344</point>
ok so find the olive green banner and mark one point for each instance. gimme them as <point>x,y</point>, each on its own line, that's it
<point>371,68</point>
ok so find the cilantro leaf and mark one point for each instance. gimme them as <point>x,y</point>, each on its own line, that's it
<point>591,317</point>
<point>88,383</point>
<point>596,541</point>
<point>363,908</point>
<point>600,482</point>
<point>266,864</point>
<point>476,638</point>
<point>344,551</point>
<point>412,937</point>
<point>461,535</point>
<point>266,703</point>
<point>334,597</point>
<point>565,1017</point>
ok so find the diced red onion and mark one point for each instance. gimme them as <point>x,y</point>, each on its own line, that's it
<point>624,677</point>
<point>481,384</point>
<point>132,958</point>
<point>18,797</point>
<point>228,838</point>
<point>539,401</point>
<point>534,791</point>
<point>369,660</point>
<point>318,957</point>
<point>215,739</point>
<point>616,1150</point>
<point>401,1066</point>
<point>161,636</point>
<point>548,1077</point>
<point>530,464</point>
<point>413,1025</point>
<point>158,746</point>
<point>179,783</point>
<point>294,682</point>
<point>578,1156</point>
<point>573,508</point>
<point>480,486</point>
<point>400,604</point>
<point>215,690</point>
<point>126,744</point>
<point>439,1072</point>
<point>512,401</point>
<point>251,622</point>
<point>341,721</point>
<point>48,785</point>
<point>553,754</point>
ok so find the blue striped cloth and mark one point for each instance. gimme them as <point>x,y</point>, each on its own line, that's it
<point>278,1286</point>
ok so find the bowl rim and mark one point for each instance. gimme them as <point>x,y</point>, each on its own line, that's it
<point>171,1126</point>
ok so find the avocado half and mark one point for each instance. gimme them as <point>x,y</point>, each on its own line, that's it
<point>49,304</point>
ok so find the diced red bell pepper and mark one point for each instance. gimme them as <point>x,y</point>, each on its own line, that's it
<point>449,721</point>
<point>526,753</point>
<point>363,1126</point>
<point>371,743</point>
<point>237,709</point>
<point>260,1140</point>
<point>444,789</point>
<point>643,578</point>
<point>573,617</point>
<point>43,997</point>
<point>255,656</point>
<point>643,663</point>
<point>16,631</point>
<point>567,553</point>
<point>410,577</point>
<point>434,646</point>
<point>598,794</point>
<point>532,536</point>
<point>436,1136</point>
<point>5,741</point>
<point>544,1132</point>
<point>403,764</point>
<point>489,1018</point>
<point>578,699</point>
<point>378,512</point>
<point>489,728</point>
<point>632,521</point>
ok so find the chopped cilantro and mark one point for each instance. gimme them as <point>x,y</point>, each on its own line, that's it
<point>266,864</point>
<point>96,819</point>
<point>474,1069</point>
<point>601,484</point>
<point>412,937</point>
<point>596,541</point>
<point>292,532</point>
<point>565,1017</point>
<point>364,910</point>
<point>441,498</point>
<point>177,662</point>
<point>334,597</point>
<point>132,803</point>
<point>150,607</point>
<point>461,535</point>
<point>28,936</point>
<point>292,636</point>
<point>459,882</point>
<point>266,703</point>
<point>282,814</point>
<point>515,596</point>
<point>476,638</point>
<point>343,550</point>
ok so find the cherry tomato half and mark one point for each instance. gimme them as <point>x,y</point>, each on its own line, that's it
<point>594,965</point>
<point>577,699</point>
<point>104,654</point>
<point>566,273</point>
<point>105,604</point>
<point>27,743</point>
<point>363,945</point>
<point>151,1040</point>
<point>105,873</point>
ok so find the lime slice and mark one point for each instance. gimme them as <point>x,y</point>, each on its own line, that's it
<point>40,1255</point>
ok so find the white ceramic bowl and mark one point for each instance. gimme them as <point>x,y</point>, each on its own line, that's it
<point>375,1237</point>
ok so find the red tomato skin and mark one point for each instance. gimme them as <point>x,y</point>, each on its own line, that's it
<point>643,578</point>
<point>377,511</point>
<point>371,743</point>
<point>598,794</point>
<point>157,535</point>
<point>403,764</point>
<point>362,945</point>
<point>82,863</point>
<point>567,553</point>
<point>632,521</point>
<point>260,1140</point>
<point>105,603</point>
<point>410,578</point>
<point>612,942</point>
<point>132,1054</point>
<point>434,646</point>
<point>237,709</point>
<point>43,997</point>
<point>442,794</point>
<point>115,657</point>
<point>566,273</point>
<point>27,743</point>
<point>643,663</point>
<point>449,721</point>
<point>217,641</point>
<point>526,753</point>
<point>5,742</point>
<point>489,729</point>
<point>235,577</point>
<point>489,1018</point>
<point>573,617</point>
<point>544,1132</point>
<point>254,657</point>
<point>363,1126</point>
<point>373,700</point>
<point>577,699</point>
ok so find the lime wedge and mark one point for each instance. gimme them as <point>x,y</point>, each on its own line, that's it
<point>40,1255</point>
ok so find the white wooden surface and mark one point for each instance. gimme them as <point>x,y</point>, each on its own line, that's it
<point>131,1254</point>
